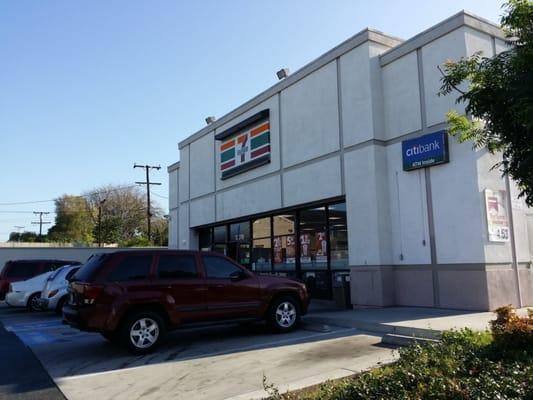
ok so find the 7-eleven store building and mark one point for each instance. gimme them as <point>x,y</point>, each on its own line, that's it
<point>343,171</point>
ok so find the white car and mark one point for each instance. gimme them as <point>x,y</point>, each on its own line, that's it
<point>27,293</point>
<point>54,293</point>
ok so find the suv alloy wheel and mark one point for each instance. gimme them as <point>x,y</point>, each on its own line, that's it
<point>284,314</point>
<point>142,332</point>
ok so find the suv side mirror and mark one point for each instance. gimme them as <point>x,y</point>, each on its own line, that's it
<point>237,275</point>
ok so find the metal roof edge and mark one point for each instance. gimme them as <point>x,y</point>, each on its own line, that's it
<point>173,167</point>
<point>462,18</point>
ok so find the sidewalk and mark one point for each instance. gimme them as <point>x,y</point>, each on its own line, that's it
<point>400,325</point>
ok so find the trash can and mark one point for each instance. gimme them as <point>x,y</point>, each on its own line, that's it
<point>341,291</point>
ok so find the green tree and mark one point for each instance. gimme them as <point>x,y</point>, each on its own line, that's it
<point>123,213</point>
<point>499,99</point>
<point>74,220</point>
<point>26,236</point>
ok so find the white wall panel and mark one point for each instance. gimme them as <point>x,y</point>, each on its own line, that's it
<point>183,187</point>
<point>312,182</point>
<point>309,116</point>
<point>458,207</point>
<point>254,197</point>
<point>202,159</point>
<point>356,95</point>
<point>202,211</point>
<point>434,54</point>
<point>408,208</point>
<point>401,96</point>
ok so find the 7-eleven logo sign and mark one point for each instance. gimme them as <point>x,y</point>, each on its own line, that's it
<point>242,150</point>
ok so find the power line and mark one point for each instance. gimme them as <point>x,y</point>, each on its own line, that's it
<point>41,222</point>
<point>147,168</point>
<point>88,194</point>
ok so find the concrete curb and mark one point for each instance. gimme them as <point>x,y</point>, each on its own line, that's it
<point>380,328</point>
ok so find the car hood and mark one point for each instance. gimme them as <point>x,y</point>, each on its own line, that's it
<point>273,279</point>
<point>37,282</point>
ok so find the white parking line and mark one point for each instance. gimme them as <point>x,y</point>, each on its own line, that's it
<point>217,353</point>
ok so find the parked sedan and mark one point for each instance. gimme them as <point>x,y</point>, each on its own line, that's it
<point>54,294</point>
<point>27,293</point>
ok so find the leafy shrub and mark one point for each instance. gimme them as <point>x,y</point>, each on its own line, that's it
<point>464,365</point>
<point>513,335</point>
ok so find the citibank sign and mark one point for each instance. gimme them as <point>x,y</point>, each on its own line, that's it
<point>425,151</point>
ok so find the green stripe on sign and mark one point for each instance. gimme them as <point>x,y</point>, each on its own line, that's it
<point>260,140</point>
<point>227,155</point>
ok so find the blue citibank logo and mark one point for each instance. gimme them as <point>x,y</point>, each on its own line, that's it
<point>425,151</point>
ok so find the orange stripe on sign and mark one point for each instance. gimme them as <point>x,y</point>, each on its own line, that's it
<point>227,145</point>
<point>241,139</point>
<point>259,129</point>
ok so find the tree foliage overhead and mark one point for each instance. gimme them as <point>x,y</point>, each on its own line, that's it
<point>500,98</point>
<point>73,221</point>
<point>122,218</point>
<point>123,212</point>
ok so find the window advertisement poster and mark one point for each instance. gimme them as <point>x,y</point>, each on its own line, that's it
<point>278,250</point>
<point>291,250</point>
<point>305,241</point>
<point>497,217</point>
<point>321,247</point>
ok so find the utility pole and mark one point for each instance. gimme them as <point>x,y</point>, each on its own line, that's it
<point>148,183</point>
<point>41,222</point>
<point>100,204</point>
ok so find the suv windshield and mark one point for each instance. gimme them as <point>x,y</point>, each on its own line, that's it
<point>87,270</point>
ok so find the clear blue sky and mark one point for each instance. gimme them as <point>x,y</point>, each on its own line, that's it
<point>88,88</point>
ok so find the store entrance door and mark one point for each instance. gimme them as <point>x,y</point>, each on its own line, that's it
<point>240,252</point>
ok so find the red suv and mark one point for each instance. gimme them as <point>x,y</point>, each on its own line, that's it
<point>21,270</point>
<point>134,297</point>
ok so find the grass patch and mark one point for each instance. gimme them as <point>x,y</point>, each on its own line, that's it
<point>495,364</point>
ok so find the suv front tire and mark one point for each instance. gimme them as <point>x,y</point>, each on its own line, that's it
<point>284,314</point>
<point>141,332</point>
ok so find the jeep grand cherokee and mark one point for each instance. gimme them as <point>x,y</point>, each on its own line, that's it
<point>134,297</point>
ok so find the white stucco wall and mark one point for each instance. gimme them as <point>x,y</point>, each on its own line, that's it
<point>356,94</point>
<point>436,53</point>
<point>401,96</point>
<point>318,180</point>
<point>310,117</point>
<point>255,197</point>
<point>184,175</point>
<point>201,164</point>
<point>408,210</point>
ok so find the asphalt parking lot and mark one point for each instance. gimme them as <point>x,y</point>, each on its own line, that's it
<point>210,363</point>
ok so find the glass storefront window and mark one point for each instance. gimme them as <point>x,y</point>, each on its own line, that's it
<point>261,228</point>
<point>313,239</point>
<point>219,233</point>
<point>204,239</point>
<point>220,248</point>
<point>262,255</point>
<point>284,241</point>
<point>262,245</point>
<point>338,236</point>
<point>239,232</point>
<point>318,236</point>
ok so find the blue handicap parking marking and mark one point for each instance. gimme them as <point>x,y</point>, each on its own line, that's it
<point>40,333</point>
<point>35,338</point>
<point>33,326</point>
